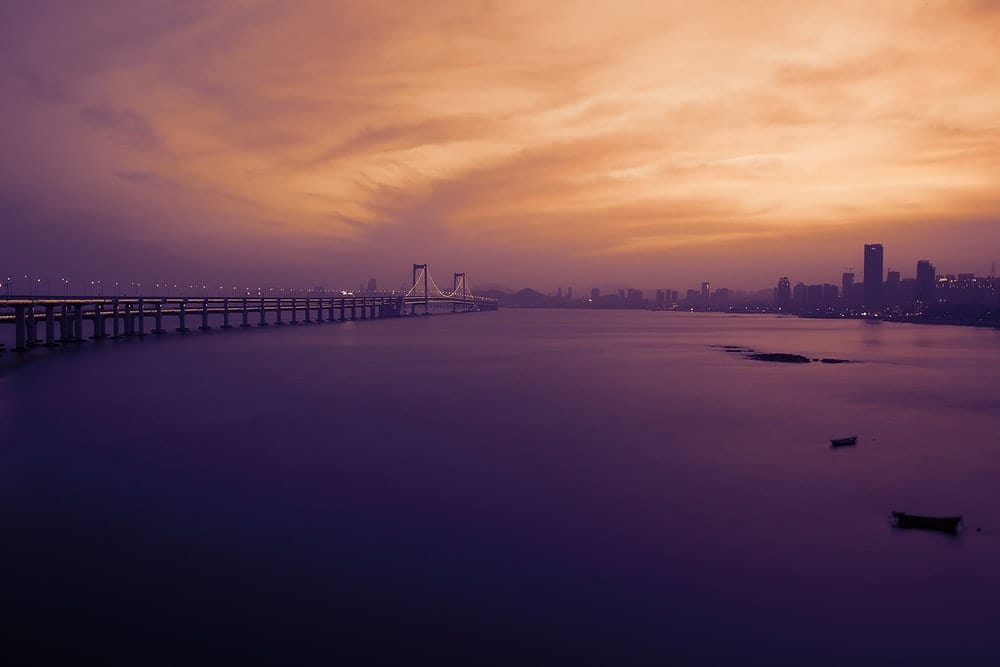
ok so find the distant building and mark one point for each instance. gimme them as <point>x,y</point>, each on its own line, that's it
<point>783,295</point>
<point>873,276</point>
<point>814,296</point>
<point>891,290</point>
<point>559,292</point>
<point>634,296</point>
<point>595,294</point>
<point>925,280</point>
<point>720,299</point>
<point>799,295</point>
<point>829,294</point>
<point>569,293</point>
<point>372,285</point>
<point>847,286</point>
<point>706,289</point>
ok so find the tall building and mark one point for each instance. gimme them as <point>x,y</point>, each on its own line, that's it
<point>569,293</point>
<point>372,285</point>
<point>784,293</point>
<point>706,289</point>
<point>799,295</point>
<point>873,276</point>
<point>595,294</point>
<point>846,286</point>
<point>925,280</point>
<point>892,289</point>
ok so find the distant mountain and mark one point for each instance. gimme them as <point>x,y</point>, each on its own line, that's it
<point>526,298</point>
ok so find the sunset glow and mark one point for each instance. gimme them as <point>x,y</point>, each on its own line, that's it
<point>524,141</point>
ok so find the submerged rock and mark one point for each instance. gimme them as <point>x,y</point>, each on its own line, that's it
<point>779,357</point>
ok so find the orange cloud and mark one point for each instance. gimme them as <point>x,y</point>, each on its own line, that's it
<point>615,128</point>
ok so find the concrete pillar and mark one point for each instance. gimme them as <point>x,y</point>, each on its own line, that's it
<point>330,315</point>
<point>32,327</point>
<point>115,324</point>
<point>159,330</point>
<point>140,319</point>
<point>181,316</point>
<point>354,307</point>
<point>295,310</point>
<point>343,308</point>
<point>65,324</point>
<point>21,328</point>
<point>263,320</point>
<point>319,310</point>
<point>225,314</point>
<point>129,322</point>
<point>50,325</point>
<point>79,323</point>
<point>277,320</point>
<point>246,315</point>
<point>204,316</point>
<point>98,321</point>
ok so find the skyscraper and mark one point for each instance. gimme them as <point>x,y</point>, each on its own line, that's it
<point>846,286</point>
<point>784,293</point>
<point>873,276</point>
<point>925,280</point>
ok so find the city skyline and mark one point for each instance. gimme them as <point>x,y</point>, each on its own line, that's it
<point>291,144</point>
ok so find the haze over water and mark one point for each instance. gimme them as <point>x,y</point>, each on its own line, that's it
<point>519,487</point>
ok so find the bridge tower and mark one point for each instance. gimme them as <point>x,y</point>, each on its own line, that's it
<point>427,297</point>
<point>454,289</point>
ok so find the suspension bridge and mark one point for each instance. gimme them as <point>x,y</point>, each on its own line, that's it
<point>35,318</point>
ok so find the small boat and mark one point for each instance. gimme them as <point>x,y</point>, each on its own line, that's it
<point>944,524</point>
<point>843,442</point>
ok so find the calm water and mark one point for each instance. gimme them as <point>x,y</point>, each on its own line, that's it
<point>521,487</point>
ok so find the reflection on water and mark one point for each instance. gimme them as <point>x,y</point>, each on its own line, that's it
<point>512,487</point>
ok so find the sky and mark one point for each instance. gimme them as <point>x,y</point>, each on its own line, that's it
<point>542,144</point>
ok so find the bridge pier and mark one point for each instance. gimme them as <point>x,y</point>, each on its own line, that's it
<point>204,316</point>
<point>263,321</point>
<point>295,310</point>
<point>159,330</point>
<point>50,325</point>
<point>306,319</point>
<point>181,324</point>
<point>277,320</point>
<point>115,326</point>
<point>330,315</point>
<point>246,315</point>
<point>32,326</point>
<point>343,308</point>
<point>20,328</point>
<point>78,332</point>
<point>140,318</point>
<point>319,310</point>
<point>129,322</point>
<point>98,321</point>
<point>354,307</point>
<point>225,314</point>
<point>65,325</point>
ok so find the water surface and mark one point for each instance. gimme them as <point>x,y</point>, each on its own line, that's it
<point>519,487</point>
